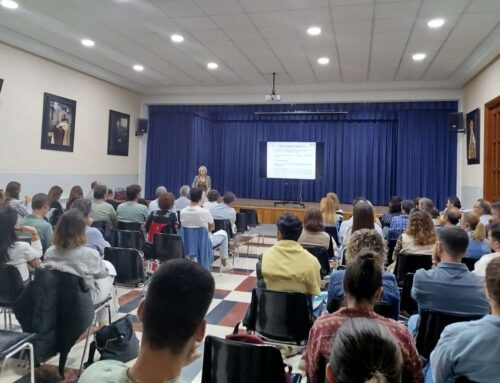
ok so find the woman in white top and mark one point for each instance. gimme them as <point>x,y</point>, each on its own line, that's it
<point>14,252</point>
<point>313,232</point>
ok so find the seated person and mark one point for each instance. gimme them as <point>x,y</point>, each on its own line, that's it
<point>225,210</point>
<point>14,252</point>
<point>362,339</point>
<point>345,225</point>
<point>482,209</point>
<point>132,211</point>
<point>400,222</point>
<point>153,205</point>
<point>426,204</point>
<point>95,239</point>
<point>40,207</point>
<point>478,245</point>
<point>313,232</point>
<point>363,217</point>
<point>494,242</point>
<point>495,213</point>
<point>361,240</point>
<point>330,210</point>
<point>472,349</point>
<point>449,287</point>
<point>163,219</point>
<point>213,199</point>
<point>101,210</point>
<point>453,201</point>
<point>183,200</point>
<point>55,207</point>
<point>172,327</point>
<point>286,266</point>
<point>452,217</point>
<point>363,287</point>
<point>195,216</point>
<point>394,211</point>
<point>111,200</point>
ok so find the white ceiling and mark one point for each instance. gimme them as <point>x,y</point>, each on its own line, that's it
<point>366,40</point>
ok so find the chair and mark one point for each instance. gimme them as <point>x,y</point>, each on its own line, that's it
<point>332,230</point>
<point>197,245</point>
<point>408,304</point>
<point>167,246</point>
<point>281,316</point>
<point>469,262</point>
<point>321,253</point>
<point>128,239</point>
<point>252,222</point>
<point>12,343</point>
<point>241,223</point>
<point>227,361</point>
<point>409,263</point>
<point>11,287</point>
<point>334,304</point>
<point>432,324</point>
<point>128,264</point>
<point>386,310</point>
<point>125,225</point>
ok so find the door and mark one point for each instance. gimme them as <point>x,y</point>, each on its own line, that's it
<point>492,150</point>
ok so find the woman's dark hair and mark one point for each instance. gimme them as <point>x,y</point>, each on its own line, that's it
<point>70,230</point>
<point>54,193</point>
<point>455,201</point>
<point>213,195</point>
<point>313,220</point>
<point>166,201</point>
<point>364,350</point>
<point>75,193</point>
<point>8,220</point>
<point>363,276</point>
<point>362,217</point>
<point>12,190</point>
<point>395,204</point>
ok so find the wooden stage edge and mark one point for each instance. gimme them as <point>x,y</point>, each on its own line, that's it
<point>268,213</point>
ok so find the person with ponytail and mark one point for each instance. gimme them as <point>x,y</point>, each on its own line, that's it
<point>478,245</point>
<point>363,287</point>
<point>364,351</point>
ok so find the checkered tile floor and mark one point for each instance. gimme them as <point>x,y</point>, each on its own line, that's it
<point>232,297</point>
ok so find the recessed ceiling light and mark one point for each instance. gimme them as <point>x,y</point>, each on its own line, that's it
<point>177,38</point>
<point>435,23</point>
<point>314,31</point>
<point>323,60</point>
<point>419,56</point>
<point>212,65</point>
<point>87,43</point>
<point>138,67</point>
<point>11,4</point>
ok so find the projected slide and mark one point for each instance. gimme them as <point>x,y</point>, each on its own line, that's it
<point>294,160</point>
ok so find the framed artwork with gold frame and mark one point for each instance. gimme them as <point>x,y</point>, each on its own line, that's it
<point>473,134</point>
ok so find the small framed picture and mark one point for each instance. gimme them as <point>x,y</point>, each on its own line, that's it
<point>118,133</point>
<point>58,123</point>
<point>473,130</point>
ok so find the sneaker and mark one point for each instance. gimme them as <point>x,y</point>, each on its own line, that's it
<point>228,267</point>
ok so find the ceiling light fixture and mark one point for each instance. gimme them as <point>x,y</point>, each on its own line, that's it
<point>87,43</point>
<point>212,65</point>
<point>177,38</point>
<point>314,31</point>
<point>138,67</point>
<point>323,60</point>
<point>435,23</point>
<point>419,56</point>
<point>10,4</point>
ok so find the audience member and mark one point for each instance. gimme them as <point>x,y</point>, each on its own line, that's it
<point>494,241</point>
<point>94,238</point>
<point>363,287</point>
<point>225,210</point>
<point>425,204</point>
<point>213,199</point>
<point>132,211</point>
<point>183,200</point>
<point>162,220</point>
<point>12,192</point>
<point>449,287</point>
<point>452,217</point>
<point>195,216</point>
<point>478,245</point>
<point>364,351</point>
<point>394,211</point>
<point>453,201</point>
<point>313,232</point>
<point>153,205</point>
<point>330,209</point>
<point>75,193</point>
<point>400,222</point>
<point>471,349</point>
<point>14,252</point>
<point>495,213</point>
<point>286,266</point>
<point>172,315</point>
<point>40,206</point>
<point>345,225</point>
<point>110,199</point>
<point>482,209</point>
<point>362,218</point>
<point>362,240</point>
<point>101,210</point>
<point>54,195</point>
<point>90,194</point>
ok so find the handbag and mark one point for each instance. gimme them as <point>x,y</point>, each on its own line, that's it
<point>116,341</point>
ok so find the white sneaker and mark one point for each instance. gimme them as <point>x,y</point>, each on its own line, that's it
<point>228,267</point>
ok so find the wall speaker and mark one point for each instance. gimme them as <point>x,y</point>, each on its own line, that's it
<point>456,122</point>
<point>142,126</point>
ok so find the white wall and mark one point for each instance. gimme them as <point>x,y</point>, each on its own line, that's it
<point>477,92</point>
<point>26,78</point>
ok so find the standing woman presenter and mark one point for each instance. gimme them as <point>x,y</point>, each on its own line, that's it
<point>202,181</point>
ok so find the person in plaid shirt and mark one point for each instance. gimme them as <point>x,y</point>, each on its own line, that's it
<point>363,287</point>
<point>400,222</point>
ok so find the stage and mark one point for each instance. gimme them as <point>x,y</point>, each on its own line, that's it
<point>268,213</point>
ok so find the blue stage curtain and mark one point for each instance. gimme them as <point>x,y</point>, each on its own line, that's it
<point>376,150</point>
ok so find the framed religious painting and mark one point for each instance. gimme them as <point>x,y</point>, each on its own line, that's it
<point>58,123</point>
<point>118,133</point>
<point>473,134</point>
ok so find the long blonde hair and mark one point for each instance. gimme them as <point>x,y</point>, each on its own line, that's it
<point>328,206</point>
<point>476,226</point>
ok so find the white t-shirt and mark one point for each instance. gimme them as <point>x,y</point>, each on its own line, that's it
<point>21,253</point>
<point>196,216</point>
<point>480,265</point>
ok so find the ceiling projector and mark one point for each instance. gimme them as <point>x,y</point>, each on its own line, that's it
<point>273,96</point>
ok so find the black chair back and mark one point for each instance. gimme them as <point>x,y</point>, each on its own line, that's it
<point>224,224</point>
<point>409,263</point>
<point>281,316</point>
<point>125,225</point>
<point>469,262</point>
<point>251,217</point>
<point>11,285</point>
<point>333,304</point>
<point>179,217</point>
<point>227,361</point>
<point>241,222</point>
<point>432,324</point>
<point>167,246</point>
<point>128,264</point>
<point>386,310</point>
<point>129,239</point>
<point>408,304</point>
<point>332,230</point>
<point>321,253</point>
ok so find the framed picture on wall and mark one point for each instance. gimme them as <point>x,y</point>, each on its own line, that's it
<point>473,131</point>
<point>118,133</point>
<point>58,123</point>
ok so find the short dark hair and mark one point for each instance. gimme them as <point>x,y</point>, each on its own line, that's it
<point>132,192</point>
<point>496,206</point>
<point>169,319</point>
<point>84,206</point>
<point>494,230</point>
<point>229,197</point>
<point>454,241</point>
<point>110,191</point>
<point>485,206</point>
<point>363,276</point>
<point>100,191</point>
<point>12,190</point>
<point>395,204</point>
<point>39,200</point>
<point>195,194</point>
<point>166,201</point>
<point>313,220</point>
<point>94,184</point>
<point>407,206</point>
<point>455,201</point>
<point>453,215</point>
<point>289,226</point>
<point>213,195</point>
